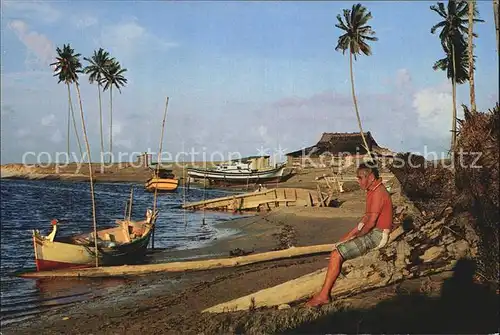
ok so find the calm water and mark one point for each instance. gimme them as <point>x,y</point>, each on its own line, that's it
<point>27,205</point>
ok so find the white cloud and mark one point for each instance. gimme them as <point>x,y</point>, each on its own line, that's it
<point>433,108</point>
<point>127,39</point>
<point>22,132</point>
<point>117,129</point>
<point>48,120</point>
<point>56,137</point>
<point>30,10</point>
<point>36,43</point>
<point>403,78</point>
<point>84,21</point>
<point>127,144</point>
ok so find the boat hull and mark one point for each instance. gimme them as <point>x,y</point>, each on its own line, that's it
<point>59,255</point>
<point>222,177</point>
<point>124,244</point>
<point>162,184</point>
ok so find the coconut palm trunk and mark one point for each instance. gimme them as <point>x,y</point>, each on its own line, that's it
<point>69,123</point>
<point>454,94</point>
<point>74,122</point>
<point>91,176</point>
<point>471,56</point>
<point>100,120</point>
<point>111,123</point>
<point>495,14</point>
<point>356,108</point>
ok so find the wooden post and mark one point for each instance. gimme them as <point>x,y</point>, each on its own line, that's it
<point>131,200</point>
<point>158,172</point>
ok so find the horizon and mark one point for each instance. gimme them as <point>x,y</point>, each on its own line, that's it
<point>235,83</point>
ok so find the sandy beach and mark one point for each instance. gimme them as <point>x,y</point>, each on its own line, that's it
<point>188,293</point>
<point>171,303</point>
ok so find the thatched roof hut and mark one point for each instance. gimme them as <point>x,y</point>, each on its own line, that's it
<point>336,143</point>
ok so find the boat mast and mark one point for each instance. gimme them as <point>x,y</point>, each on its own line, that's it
<point>158,172</point>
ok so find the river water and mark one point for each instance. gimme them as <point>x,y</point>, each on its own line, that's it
<point>28,205</point>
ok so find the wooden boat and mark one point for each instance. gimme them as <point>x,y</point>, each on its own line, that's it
<point>237,174</point>
<point>124,243</point>
<point>164,182</point>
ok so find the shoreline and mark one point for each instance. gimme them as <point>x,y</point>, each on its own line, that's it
<point>249,232</point>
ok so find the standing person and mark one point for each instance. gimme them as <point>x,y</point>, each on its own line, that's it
<point>372,232</point>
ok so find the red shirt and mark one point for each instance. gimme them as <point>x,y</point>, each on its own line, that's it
<point>379,203</point>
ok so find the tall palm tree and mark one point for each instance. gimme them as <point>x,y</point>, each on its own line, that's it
<point>472,13</point>
<point>452,37</point>
<point>497,23</point>
<point>113,76</point>
<point>354,40</point>
<point>470,47</point>
<point>64,60</point>
<point>67,68</point>
<point>98,64</point>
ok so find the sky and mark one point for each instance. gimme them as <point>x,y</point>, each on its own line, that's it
<point>247,77</point>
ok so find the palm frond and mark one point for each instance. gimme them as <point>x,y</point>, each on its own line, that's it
<point>354,23</point>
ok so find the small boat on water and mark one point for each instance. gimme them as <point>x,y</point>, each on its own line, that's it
<point>237,173</point>
<point>164,182</point>
<point>115,246</point>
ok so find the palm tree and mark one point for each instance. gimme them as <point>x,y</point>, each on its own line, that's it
<point>472,13</point>
<point>452,36</point>
<point>98,64</point>
<point>497,23</point>
<point>355,38</point>
<point>67,68</point>
<point>472,4</point>
<point>64,60</point>
<point>113,76</point>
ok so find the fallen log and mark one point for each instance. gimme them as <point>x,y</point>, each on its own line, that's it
<point>127,270</point>
<point>400,259</point>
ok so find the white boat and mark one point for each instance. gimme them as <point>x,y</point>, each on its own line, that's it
<point>235,167</point>
<point>237,173</point>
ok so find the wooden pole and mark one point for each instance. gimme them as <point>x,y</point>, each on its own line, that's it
<point>131,199</point>
<point>204,188</point>
<point>125,211</point>
<point>184,186</point>
<point>157,172</point>
<point>208,264</point>
<point>91,178</point>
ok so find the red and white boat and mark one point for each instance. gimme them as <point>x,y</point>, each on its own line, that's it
<point>119,245</point>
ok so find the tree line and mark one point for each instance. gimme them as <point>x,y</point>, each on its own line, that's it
<point>103,70</point>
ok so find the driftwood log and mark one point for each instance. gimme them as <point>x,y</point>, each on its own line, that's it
<point>430,248</point>
<point>126,270</point>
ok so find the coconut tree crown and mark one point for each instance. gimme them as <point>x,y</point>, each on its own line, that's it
<point>98,64</point>
<point>67,65</point>
<point>356,31</point>
<point>455,23</point>
<point>113,76</point>
<point>460,72</point>
<point>454,28</point>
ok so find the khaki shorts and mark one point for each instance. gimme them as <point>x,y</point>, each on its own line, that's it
<point>359,246</point>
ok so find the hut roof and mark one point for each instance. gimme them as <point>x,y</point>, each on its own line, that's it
<point>335,143</point>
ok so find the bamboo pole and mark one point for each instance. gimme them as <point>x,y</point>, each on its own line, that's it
<point>125,211</point>
<point>305,286</point>
<point>126,270</point>
<point>131,200</point>
<point>157,172</point>
<point>92,196</point>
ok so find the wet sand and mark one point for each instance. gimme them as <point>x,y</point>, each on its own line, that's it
<point>170,302</point>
